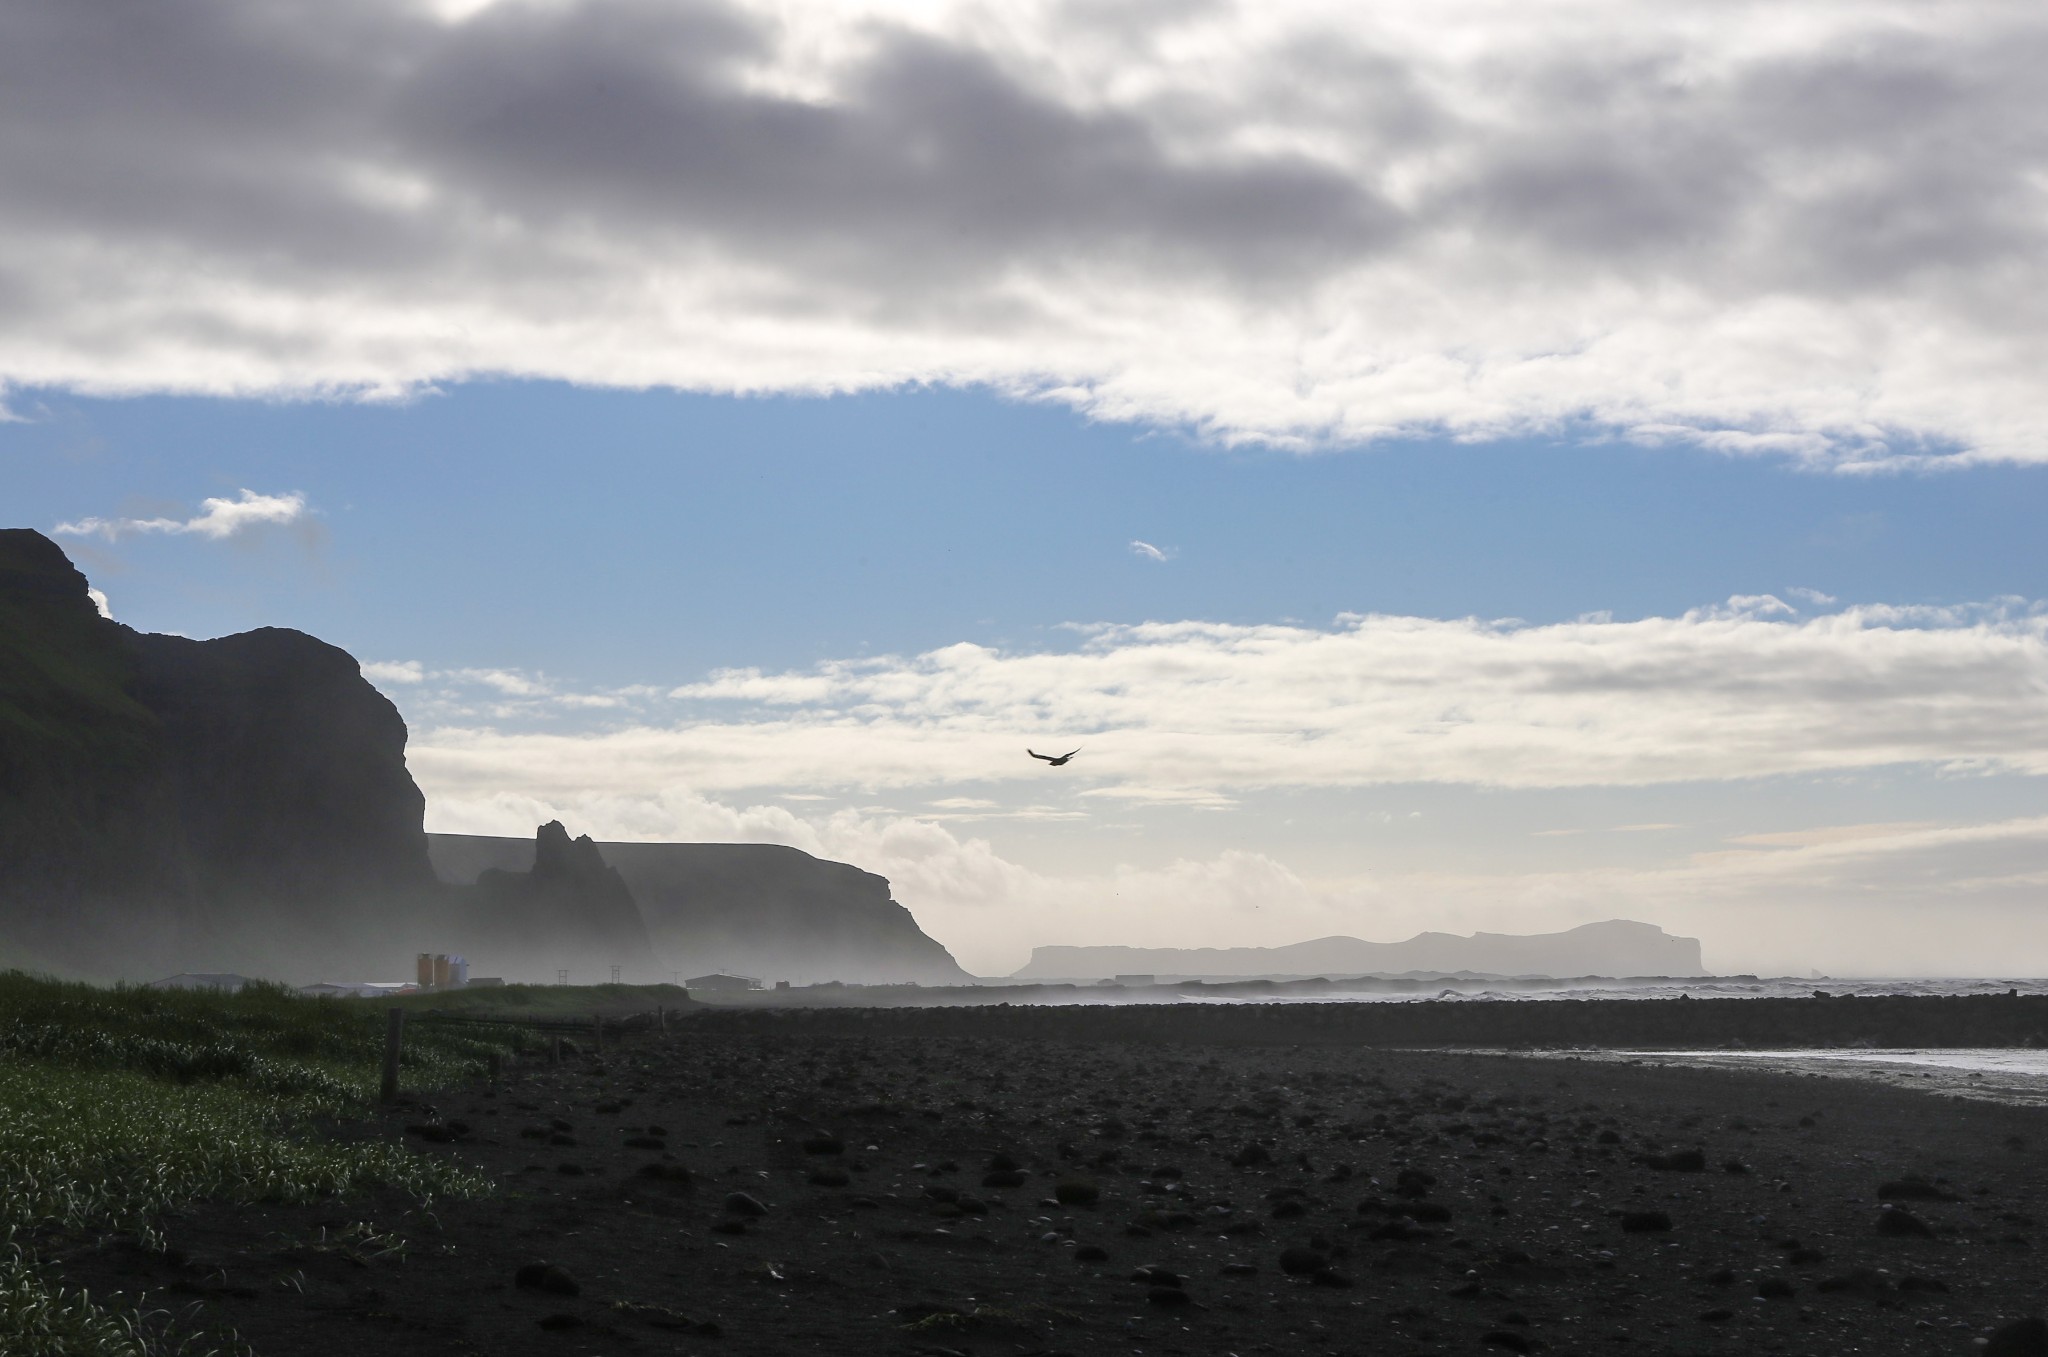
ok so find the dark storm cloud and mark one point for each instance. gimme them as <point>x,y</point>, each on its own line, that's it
<point>1267,221</point>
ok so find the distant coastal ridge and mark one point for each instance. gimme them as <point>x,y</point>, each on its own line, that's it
<point>1615,947</point>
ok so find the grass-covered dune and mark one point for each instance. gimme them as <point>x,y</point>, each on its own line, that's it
<point>117,1104</point>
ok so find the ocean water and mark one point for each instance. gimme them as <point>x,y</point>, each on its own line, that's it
<point>2000,1075</point>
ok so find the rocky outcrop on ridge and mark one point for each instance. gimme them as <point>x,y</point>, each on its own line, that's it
<point>1618,947</point>
<point>761,910</point>
<point>568,911</point>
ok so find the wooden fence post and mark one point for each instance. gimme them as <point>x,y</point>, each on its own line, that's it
<point>394,1042</point>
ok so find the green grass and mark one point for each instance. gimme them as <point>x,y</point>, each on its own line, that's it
<point>116,1104</point>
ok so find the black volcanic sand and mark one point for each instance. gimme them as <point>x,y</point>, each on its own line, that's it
<point>716,1191</point>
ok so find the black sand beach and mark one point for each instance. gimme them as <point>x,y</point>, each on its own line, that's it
<point>765,1187</point>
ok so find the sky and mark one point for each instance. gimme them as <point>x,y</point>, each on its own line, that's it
<point>1496,467</point>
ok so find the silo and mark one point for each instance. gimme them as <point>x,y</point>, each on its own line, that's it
<point>440,971</point>
<point>458,971</point>
<point>426,970</point>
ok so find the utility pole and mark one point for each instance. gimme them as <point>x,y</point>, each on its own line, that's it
<point>562,975</point>
<point>615,975</point>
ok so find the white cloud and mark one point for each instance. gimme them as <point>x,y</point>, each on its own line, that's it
<point>408,672</point>
<point>99,601</point>
<point>510,682</point>
<point>1197,713</point>
<point>1146,551</point>
<point>216,519</point>
<point>1802,229</point>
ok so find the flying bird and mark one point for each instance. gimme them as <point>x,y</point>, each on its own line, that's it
<point>1055,762</point>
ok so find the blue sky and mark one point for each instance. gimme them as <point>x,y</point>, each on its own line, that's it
<point>1476,466</point>
<point>657,534</point>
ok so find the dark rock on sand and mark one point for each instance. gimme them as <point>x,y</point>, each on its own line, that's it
<point>1899,1223</point>
<point>2022,1338</point>
<point>1414,1183</point>
<point>674,1174</point>
<point>742,1204</point>
<point>1302,1262</point>
<point>547,1277</point>
<point>1913,1190</point>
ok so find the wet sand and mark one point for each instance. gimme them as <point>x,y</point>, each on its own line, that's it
<point>758,1189</point>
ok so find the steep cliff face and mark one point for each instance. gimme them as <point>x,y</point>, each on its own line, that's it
<point>236,804</point>
<point>753,909</point>
<point>1619,947</point>
<point>79,756</point>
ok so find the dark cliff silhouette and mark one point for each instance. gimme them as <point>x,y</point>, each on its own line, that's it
<point>167,803</point>
<point>1617,947</point>
<point>754,909</point>
<point>243,805</point>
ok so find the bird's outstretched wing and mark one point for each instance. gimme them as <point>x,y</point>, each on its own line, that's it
<point>1069,754</point>
<point>1036,755</point>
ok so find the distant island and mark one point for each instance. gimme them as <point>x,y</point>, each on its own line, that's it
<point>1618,947</point>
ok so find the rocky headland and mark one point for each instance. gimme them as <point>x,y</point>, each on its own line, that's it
<point>243,805</point>
<point>759,910</point>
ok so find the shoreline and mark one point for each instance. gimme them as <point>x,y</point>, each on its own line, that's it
<point>1877,1021</point>
<point>2002,1075</point>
